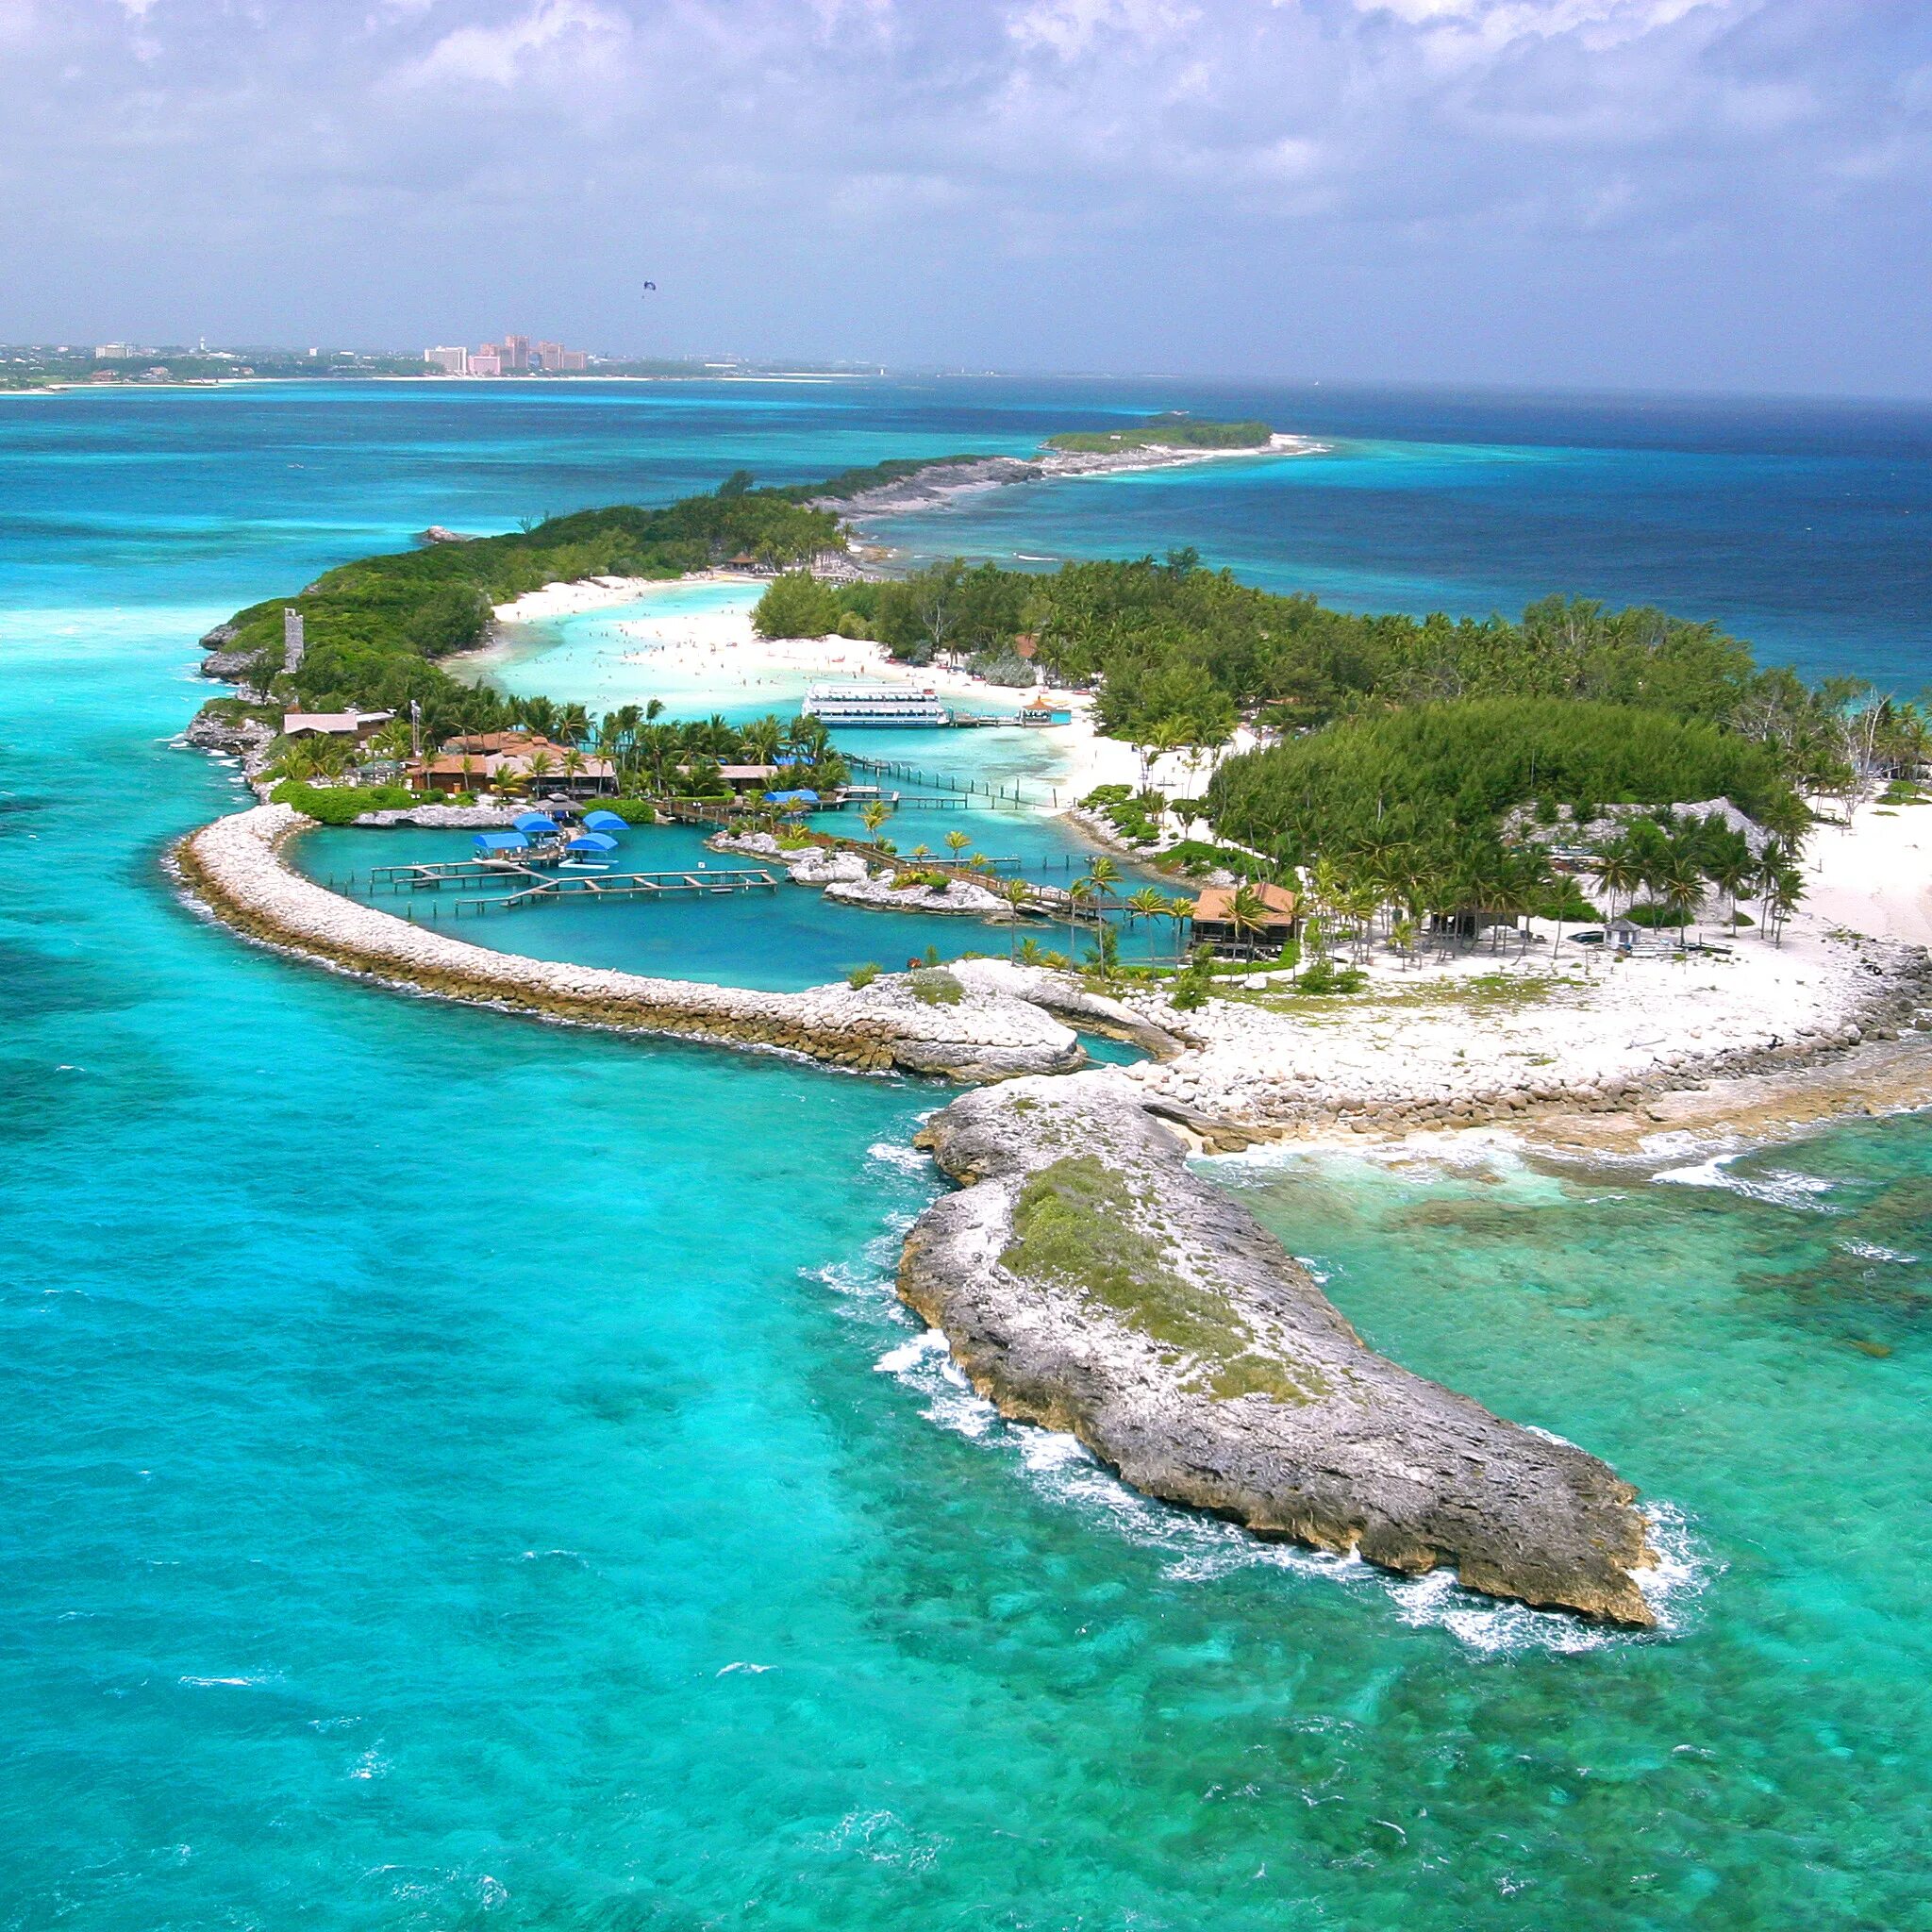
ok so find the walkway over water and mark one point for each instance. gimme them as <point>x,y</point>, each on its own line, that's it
<point>526,885</point>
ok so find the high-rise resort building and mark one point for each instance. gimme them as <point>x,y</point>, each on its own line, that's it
<point>516,351</point>
<point>451,361</point>
<point>486,361</point>
<point>900,705</point>
<point>112,352</point>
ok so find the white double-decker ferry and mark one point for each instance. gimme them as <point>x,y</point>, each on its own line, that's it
<point>904,705</point>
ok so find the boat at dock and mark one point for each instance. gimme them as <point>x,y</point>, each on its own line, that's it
<point>897,707</point>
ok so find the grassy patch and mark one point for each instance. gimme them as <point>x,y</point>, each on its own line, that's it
<point>937,987</point>
<point>1074,1224</point>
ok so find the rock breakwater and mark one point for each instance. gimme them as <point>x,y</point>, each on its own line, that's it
<point>1085,1280</point>
<point>237,870</point>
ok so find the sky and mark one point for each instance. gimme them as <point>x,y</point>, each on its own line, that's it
<point>1668,194</point>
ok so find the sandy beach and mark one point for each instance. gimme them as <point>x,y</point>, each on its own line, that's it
<point>657,642</point>
<point>1875,876</point>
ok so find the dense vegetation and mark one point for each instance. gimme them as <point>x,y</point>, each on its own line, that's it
<point>1172,430</point>
<point>376,627</point>
<point>1399,742</point>
<point>850,483</point>
<point>1420,778</point>
<point>1181,653</point>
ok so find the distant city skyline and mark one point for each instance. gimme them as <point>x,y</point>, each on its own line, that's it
<point>1638,194</point>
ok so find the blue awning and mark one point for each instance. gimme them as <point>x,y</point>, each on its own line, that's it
<point>501,841</point>
<point>592,842</point>
<point>605,822</point>
<point>786,797</point>
<point>534,821</point>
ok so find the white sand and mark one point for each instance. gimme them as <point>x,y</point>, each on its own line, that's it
<point>1875,875</point>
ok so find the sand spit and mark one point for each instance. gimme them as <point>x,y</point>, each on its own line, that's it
<point>237,869</point>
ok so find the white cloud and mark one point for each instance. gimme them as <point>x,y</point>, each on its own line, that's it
<point>862,139</point>
<point>501,56</point>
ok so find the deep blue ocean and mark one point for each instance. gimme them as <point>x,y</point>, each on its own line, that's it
<point>457,1471</point>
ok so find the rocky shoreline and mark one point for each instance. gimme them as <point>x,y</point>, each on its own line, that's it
<point>940,481</point>
<point>237,871</point>
<point>1086,1281</point>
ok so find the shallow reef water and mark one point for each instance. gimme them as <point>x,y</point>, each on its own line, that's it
<point>460,1471</point>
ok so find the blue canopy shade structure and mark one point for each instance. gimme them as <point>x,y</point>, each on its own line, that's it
<point>534,821</point>
<point>786,797</point>
<point>501,841</point>
<point>592,842</point>
<point>605,822</point>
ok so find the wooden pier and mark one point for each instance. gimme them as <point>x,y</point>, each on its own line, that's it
<point>526,885</point>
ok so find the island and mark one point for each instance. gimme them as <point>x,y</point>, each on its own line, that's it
<point>1552,876</point>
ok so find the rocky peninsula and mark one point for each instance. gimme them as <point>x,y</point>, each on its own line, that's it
<point>1085,1280</point>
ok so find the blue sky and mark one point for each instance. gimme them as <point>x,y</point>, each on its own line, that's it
<point>1726,195</point>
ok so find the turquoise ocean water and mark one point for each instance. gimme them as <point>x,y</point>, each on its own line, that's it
<point>458,1471</point>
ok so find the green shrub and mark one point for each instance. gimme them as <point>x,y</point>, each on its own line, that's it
<point>1655,917</point>
<point>1324,977</point>
<point>1104,795</point>
<point>329,804</point>
<point>935,987</point>
<point>796,605</point>
<point>1195,856</point>
<point>862,977</point>
<point>1195,980</point>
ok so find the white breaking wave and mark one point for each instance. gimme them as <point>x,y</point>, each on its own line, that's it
<point>902,1155</point>
<point>1776,1187</point>
<point>1203,1549</point>
<point>1870,1251</point>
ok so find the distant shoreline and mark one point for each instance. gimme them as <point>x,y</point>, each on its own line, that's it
<point>945,479</point>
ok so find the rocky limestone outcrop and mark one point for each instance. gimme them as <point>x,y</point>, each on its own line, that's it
<point>239,738</point>
<point>219,663</point>
<point>235,868</point>
<point>1067,995</point>
<point>1085,1280</point>
<point>852,879</point>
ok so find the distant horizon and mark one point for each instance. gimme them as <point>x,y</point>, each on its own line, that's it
<point>1703,197</point>
<point>862,369</point>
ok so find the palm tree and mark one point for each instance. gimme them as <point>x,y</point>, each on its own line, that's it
<point>331,757</point>
<point>1247,912</point>
<point>1680,885</point>
<point>760,740</point>
<point>507,782</point>
<point>297,760</point>
<point>1615,869</point>
<point>957,844</point>
<point>1105,874</point>
<point>538,766</point>
<point>573,764</point>
<point>573,724</point>
<point>874,817</point>
<point>1081,893</point>
<point>393,741</point>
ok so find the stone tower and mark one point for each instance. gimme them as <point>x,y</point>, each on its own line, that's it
<point>292,640</point>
